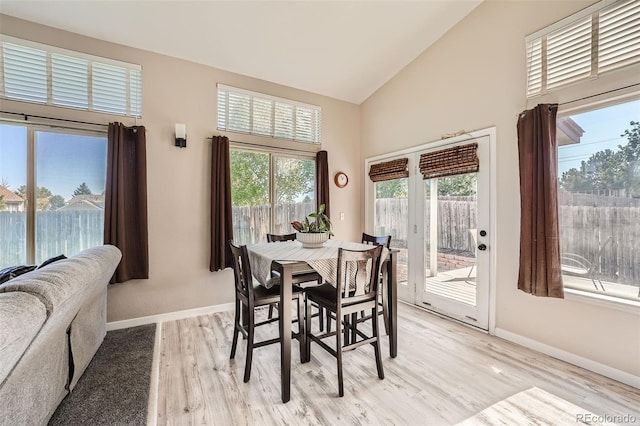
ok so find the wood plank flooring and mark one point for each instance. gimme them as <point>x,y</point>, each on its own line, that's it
<point>444,373</point>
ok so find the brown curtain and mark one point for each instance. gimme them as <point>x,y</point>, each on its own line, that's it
<point>540,270</point>
<point>452,161</point>
<point>322,181</point>
<point>125,204</point>
<point>221,211</point>
<point>388,170</point>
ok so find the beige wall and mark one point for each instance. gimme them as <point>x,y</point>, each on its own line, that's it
<point>474,78</point>
<point>176,91</point>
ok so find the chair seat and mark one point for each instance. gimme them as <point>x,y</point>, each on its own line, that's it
<point>325,295</point>
<point>300,278</point>
<point>265,296</point>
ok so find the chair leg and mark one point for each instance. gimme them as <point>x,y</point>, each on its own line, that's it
<point>321,317</point>
<point>307,329</point>
<point>385,309</point>
<point>345,325</point>
<point>236,331</point>
<point>301,329</point>
<point>250,330</point>
<point>271,306</point>
<point>376,346</point>
<point>339,354</point>
<point>354,325</point>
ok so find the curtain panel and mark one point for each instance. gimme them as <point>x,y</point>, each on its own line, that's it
<point>388,170</point>
<point>322,181</point>
<point>221,208</point>
<point>125,205</point>
<point>452,161</point>
<point>540,269</point>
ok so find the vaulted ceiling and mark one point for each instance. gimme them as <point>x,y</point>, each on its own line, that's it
<point>342,49</point>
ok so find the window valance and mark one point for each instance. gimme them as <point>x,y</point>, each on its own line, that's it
<point>451,161</point>
<point>388,170</point>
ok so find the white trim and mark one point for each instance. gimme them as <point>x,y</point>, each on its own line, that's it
<point>603,300</point>
<point>571,358</point>
<point>170,316</point>
<point>569,19</point>
<point>491,132</point>
<point>73,53</point>
<point>152,407</point>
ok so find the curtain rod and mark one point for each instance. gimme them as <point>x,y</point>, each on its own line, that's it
<point>26,117</point>
<point>600,94</point>
<point>257,145</point>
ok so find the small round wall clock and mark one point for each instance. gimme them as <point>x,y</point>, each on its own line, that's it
<point>341,179</point>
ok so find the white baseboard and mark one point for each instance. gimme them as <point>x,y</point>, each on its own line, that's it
<point>170,316</point>
<point>571,358</point>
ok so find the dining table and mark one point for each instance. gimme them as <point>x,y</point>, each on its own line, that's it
<point>290,257</point>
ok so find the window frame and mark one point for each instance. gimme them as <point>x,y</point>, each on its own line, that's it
<point>591,297</point>
<point>274,152</point>
<point>536,64</point>
<point>223,124</point>
<point>32,127</point>
<point>133,78</point>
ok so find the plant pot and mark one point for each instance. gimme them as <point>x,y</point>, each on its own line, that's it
<point>312,239</point>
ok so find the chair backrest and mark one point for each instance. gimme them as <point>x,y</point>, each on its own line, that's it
<point>358,274</point>
<point>242,270</point>
<point>383,240</point>
<point>272,238</point>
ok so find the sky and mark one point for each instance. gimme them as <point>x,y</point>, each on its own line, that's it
<point>602,130</point>
<point>63,161</point>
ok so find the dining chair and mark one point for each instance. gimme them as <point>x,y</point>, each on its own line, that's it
<point>297,278</point>
<point>356,289</point>
<point>251,297</point>
<point>383,240</point>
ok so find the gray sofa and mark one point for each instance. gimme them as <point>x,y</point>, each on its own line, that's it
<point>52,321</point>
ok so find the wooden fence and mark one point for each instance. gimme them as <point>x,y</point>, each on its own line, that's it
<point>57,232</point>
<point>584,229</point>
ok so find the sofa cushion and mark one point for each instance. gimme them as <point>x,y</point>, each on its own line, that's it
<point>68,280</point>
<point>21,317</point>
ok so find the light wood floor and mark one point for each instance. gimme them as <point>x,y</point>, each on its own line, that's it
<point>444,374</point>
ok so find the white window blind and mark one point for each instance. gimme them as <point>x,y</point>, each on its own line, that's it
<point>601,38</point>
<point>255,113</point>
<point>45,74</point>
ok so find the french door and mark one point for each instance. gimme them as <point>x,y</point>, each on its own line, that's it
<point>442,228</point>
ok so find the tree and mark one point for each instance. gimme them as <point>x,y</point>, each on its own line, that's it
<point>395,188</point>
<point>294,179</point>
<point>83,189</point>
<point>43,197</point>
<point>56,202</point>
<point>608,170</point>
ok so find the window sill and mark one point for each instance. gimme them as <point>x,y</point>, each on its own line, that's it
<point>619,304</point>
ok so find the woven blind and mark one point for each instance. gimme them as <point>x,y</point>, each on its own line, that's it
<point>394,169</point>
<point>451,161</point>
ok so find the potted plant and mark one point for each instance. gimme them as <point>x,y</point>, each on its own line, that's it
<point>313,234</point>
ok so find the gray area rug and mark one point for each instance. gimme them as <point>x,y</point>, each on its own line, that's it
<point>114,389</point>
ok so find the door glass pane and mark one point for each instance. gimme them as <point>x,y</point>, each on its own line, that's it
<point>294,192</point>
<point>599,200</point>
<point>250,196</point>
<point>13,195</point>
<point>391,217</point>
<point>70,185</point>
<point>450,237</point>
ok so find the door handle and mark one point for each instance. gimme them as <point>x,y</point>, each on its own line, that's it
<point>482,247</point>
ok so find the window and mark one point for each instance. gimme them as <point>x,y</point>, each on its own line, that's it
<point>49,75</point>
<point>601,38</point>
<point>269,191</point>
<point>64,211</point>
<point>257,114</point>
<point>599,200</point>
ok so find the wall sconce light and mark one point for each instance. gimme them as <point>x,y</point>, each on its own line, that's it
<point>181,135</point>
